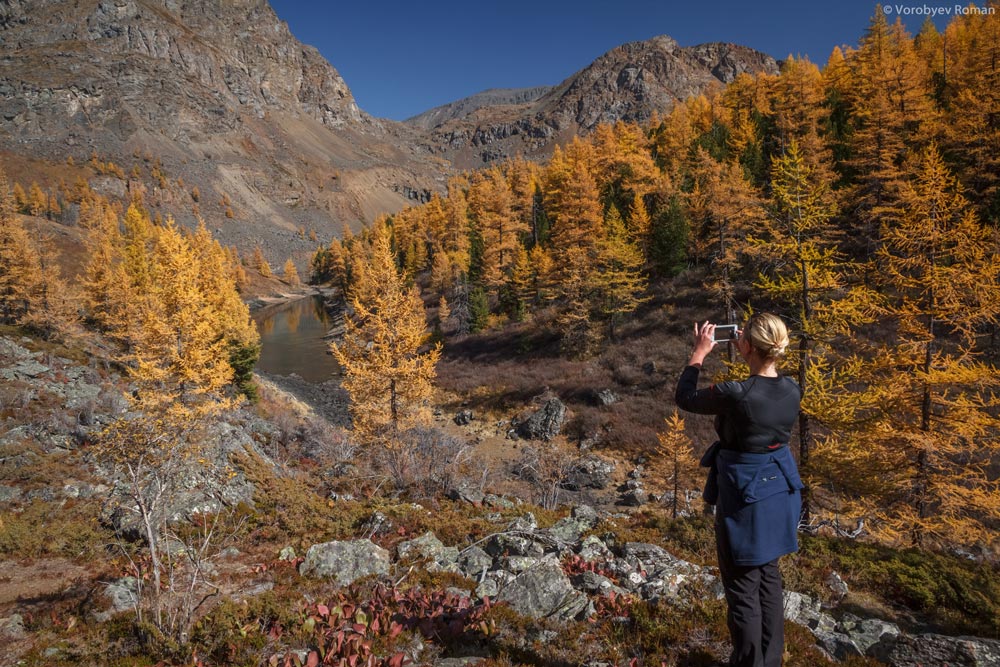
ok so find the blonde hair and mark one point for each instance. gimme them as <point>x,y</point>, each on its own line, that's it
<point>767,334</point>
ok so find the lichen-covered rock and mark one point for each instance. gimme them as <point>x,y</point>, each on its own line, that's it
<point>867,632</point>
<point>545,423</point>
<point>804,610</point>
<point>544,591</point>
<point>593,548</point>
<point>12,627</point>
<point>9,494</point>
<point>931,649</point>
<point>429,548</point>
<point>123,594</point>
<point>467,494</point>
<point>596,584</point>
<point>504,544</point>
<point>473,562</point>
<point>345,562</point>
<point>570,529</point>
<point>590,472</point>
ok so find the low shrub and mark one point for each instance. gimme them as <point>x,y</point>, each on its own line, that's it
<point>48,529</point>
<point>957,595</point>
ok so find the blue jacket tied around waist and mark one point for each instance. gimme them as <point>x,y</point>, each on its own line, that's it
<point>758,501</point>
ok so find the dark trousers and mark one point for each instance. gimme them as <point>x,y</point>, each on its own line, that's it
<point>756,610</point>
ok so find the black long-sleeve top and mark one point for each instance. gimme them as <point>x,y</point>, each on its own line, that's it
<point>755,415</point>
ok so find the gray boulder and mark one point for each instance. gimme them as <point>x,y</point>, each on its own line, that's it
<point>504,544</point>
<point>345,562</point>
<point>123,594</point>
<point>804,610</point>
<point>467,494</point>
<point>590,472</point>
<point>593,548</point>
<point>867,632</point>
<point>493,583</point>
<point>545,423</point>
<point>464,417</point>
<point>9,493</point>
<point>605,397</point>
<point>930,649</point>
<point>635,498</point>
<point>473,562</point>
<point>570,529</point>
<point>836,645</point>
<point>493,500</point>
<point>597,584</point>
<point>428,547</point>
<point>837,585</point>
<point>526,523</point>
<point>12,627</point>
<point>544,591</point>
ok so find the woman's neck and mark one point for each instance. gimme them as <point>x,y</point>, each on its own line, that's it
<point>765,367</point>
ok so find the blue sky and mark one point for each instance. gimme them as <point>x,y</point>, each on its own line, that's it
<point>401,58</point>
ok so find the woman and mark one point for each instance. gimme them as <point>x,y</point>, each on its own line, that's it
<point>753,482</point>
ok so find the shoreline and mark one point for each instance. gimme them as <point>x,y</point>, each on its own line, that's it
<point>261,303</point>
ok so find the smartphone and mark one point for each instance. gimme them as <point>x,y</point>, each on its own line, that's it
<point>724,333</point>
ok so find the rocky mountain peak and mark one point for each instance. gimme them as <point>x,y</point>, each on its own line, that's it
<point>238,53</point>
<point>627,83</point>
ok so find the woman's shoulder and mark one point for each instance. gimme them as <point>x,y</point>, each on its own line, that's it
<point>729,388</point>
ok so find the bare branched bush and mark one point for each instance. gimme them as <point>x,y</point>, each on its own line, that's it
<point>189,574</point>
<point>545,466</point>
<point>425,460</point>
<point>152,455</point>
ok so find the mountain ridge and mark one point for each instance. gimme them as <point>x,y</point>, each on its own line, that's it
<point>225,98</point>
<point>626,83</point>
<point>223,95</point>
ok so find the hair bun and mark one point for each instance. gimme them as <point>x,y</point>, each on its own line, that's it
<point>777,350</point>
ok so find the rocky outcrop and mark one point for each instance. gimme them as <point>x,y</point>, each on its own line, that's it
<point>930,649</point>
<point>542,590</point>
<point>545,423</point>
<point>221,56</point>
<point>345,562</point>
<point>429,549</point>
<point>590,472</point>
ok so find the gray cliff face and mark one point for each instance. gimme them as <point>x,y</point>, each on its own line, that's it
<point>224,95</point>
<point>130,63</point>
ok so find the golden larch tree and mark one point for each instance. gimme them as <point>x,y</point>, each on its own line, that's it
<point>675,461</point>
<point>385,373</point>
<point>290,274</point>
<point>619,279</point>
<point>491,206</point>
<point>938,427</point>
<point>20,269</point>
<point>796,251</point>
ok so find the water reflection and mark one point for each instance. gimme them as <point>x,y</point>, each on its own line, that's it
<point>292,340</point>
<point>294,317</point>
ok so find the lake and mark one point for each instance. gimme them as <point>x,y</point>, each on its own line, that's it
<point>291,337</point>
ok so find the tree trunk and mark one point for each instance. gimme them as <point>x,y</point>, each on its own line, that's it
<point>805,426</point>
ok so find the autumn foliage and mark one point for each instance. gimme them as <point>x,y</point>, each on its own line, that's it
<point>859,200</point>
